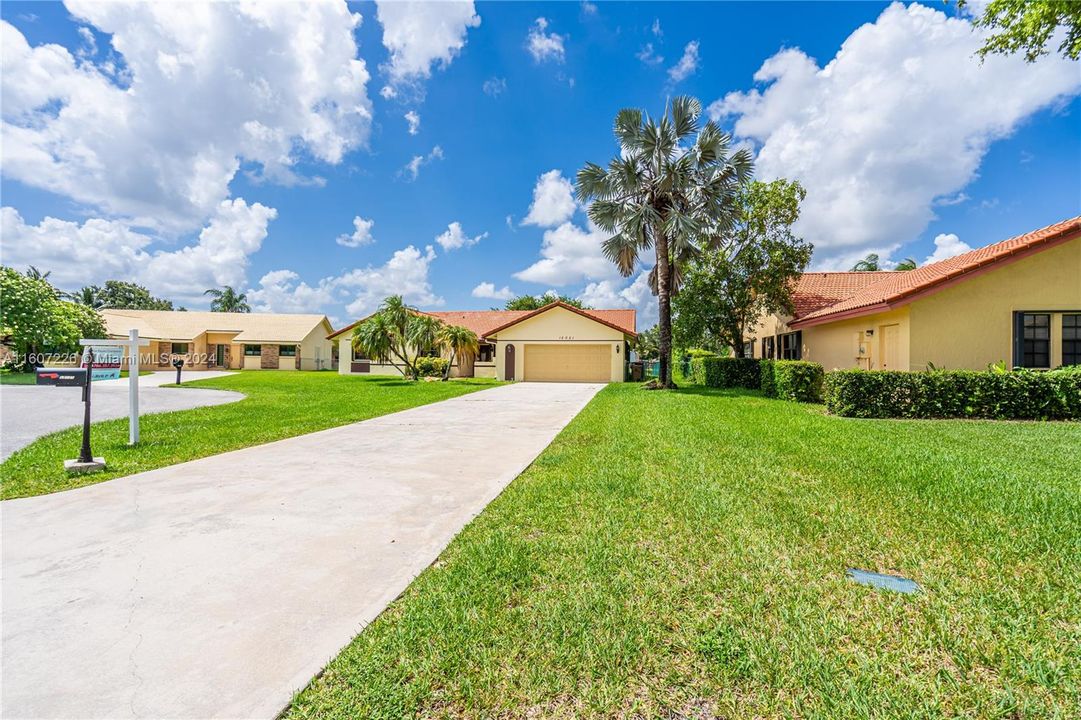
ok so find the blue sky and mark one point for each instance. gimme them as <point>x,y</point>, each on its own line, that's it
<point>189,150</point>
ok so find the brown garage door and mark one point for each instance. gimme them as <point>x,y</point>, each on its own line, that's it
<point>568,363</point>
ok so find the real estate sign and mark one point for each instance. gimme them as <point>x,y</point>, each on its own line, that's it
<point>106,362</point>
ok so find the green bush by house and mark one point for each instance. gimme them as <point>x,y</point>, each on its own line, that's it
<point>725,372</point>
<point>798,380</point>
<point>1018,395</point>
<point>431,366</point>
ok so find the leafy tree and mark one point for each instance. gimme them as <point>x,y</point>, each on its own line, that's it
<point>671,189</point>
<point>868,264</point>
<point>535,302</point>
<point>226,299</point>
<point>461,342</point>
<point>1027,25</point>
<point>724,295</point>
<point>906,264</point>
<point>647,344</point>
<point>37,320</point>
<point>118,295</point>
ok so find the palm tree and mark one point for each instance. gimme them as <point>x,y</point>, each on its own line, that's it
<point>868,264</point>
<point>89,295</point>
<point>228,300</point>
<point>387,336</point>
<point>667,190</point>
<point>462,343</point>
<point>906,264</point>
<point>35,274</point>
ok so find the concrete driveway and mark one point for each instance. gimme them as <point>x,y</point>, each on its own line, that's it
<point>27,411</point>
<point>217,588</point>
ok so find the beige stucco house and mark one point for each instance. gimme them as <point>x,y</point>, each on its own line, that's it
<point>234,341</point>
<point>556,343</point>
<point>1017,301</point>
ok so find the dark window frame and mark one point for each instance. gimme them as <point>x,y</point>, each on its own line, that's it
<point>486,353</point>
<point>358,356</point>
<point>287,351</point>
<point>253,350</point>
<point>791,346</point>
<point>748,348</point>
<point>1030,349</point>
<point>174,351</point>
<point>1071,339</point>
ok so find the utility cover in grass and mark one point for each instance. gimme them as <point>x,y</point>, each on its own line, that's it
<point>896,583</point>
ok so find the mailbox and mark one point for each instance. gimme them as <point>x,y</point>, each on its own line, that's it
<point>62,377</point>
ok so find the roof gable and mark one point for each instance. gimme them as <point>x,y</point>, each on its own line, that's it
<point>890,289</point>
<point>188,325</point>
<point>488,322</point>
<point>621,320</point>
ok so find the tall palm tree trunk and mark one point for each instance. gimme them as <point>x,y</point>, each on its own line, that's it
<point>664,306</point>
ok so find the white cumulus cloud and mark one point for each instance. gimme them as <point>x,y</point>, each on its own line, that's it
<point>488,291</point>
<point>412,168</point>
<point>609,294</point>
<point>454,237</point>
<point>420,35</point>
<point>553,201</point>
<point>570,254</point>
<point>100,250</point>
<point>362,233</point>
<point>947,245</point>
<point>204,88</point>
<point>413,119</point>
<point>901,117</point>
<point>542,45</point>
<point>687,65</point>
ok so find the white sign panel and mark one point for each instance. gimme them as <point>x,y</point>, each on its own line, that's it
<point>106,362</point>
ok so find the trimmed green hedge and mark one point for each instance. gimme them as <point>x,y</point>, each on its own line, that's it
<point>726,372</point>
<point>1018,395</point>
<point>798,380</point>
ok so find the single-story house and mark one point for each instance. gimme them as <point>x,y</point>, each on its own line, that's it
<point>1017,301</point>
<point>233,341</point>
<point>556,343</point>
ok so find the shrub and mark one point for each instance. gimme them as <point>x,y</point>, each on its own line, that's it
<point>798,380</point>
<point>431,366</point>
<point>1018,395</point>
<point>723,372</point>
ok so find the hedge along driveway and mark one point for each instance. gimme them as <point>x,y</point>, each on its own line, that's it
<point>683,554</point>
<point>279,404</point>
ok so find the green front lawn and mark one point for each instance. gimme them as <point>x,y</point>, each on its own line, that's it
<point>17,378</point>
<point>683,555</point>
<point>279,404</point>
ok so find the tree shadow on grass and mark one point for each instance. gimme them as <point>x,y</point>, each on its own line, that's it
<point>717,392</point>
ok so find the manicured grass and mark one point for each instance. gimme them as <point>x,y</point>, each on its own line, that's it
<point>17,378</point>
<point>683,554</point>
<point>279,404</point>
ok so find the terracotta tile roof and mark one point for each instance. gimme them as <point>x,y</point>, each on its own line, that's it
<point>889,289</point>
<point>187,325</point>
<point>479,321</point>
<point>816,290</point>
<point>483,322</point>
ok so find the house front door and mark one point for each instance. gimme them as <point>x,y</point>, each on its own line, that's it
<point>889,356</point>
<point>508,363</point>
<point>219,356</point>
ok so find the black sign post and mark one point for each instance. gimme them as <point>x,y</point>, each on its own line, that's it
<point>76,377</point>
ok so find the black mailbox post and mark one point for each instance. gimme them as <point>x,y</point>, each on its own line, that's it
<point>75,377</point>
<point>178,363</point>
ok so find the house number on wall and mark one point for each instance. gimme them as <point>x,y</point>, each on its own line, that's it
<point>566,337</point>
